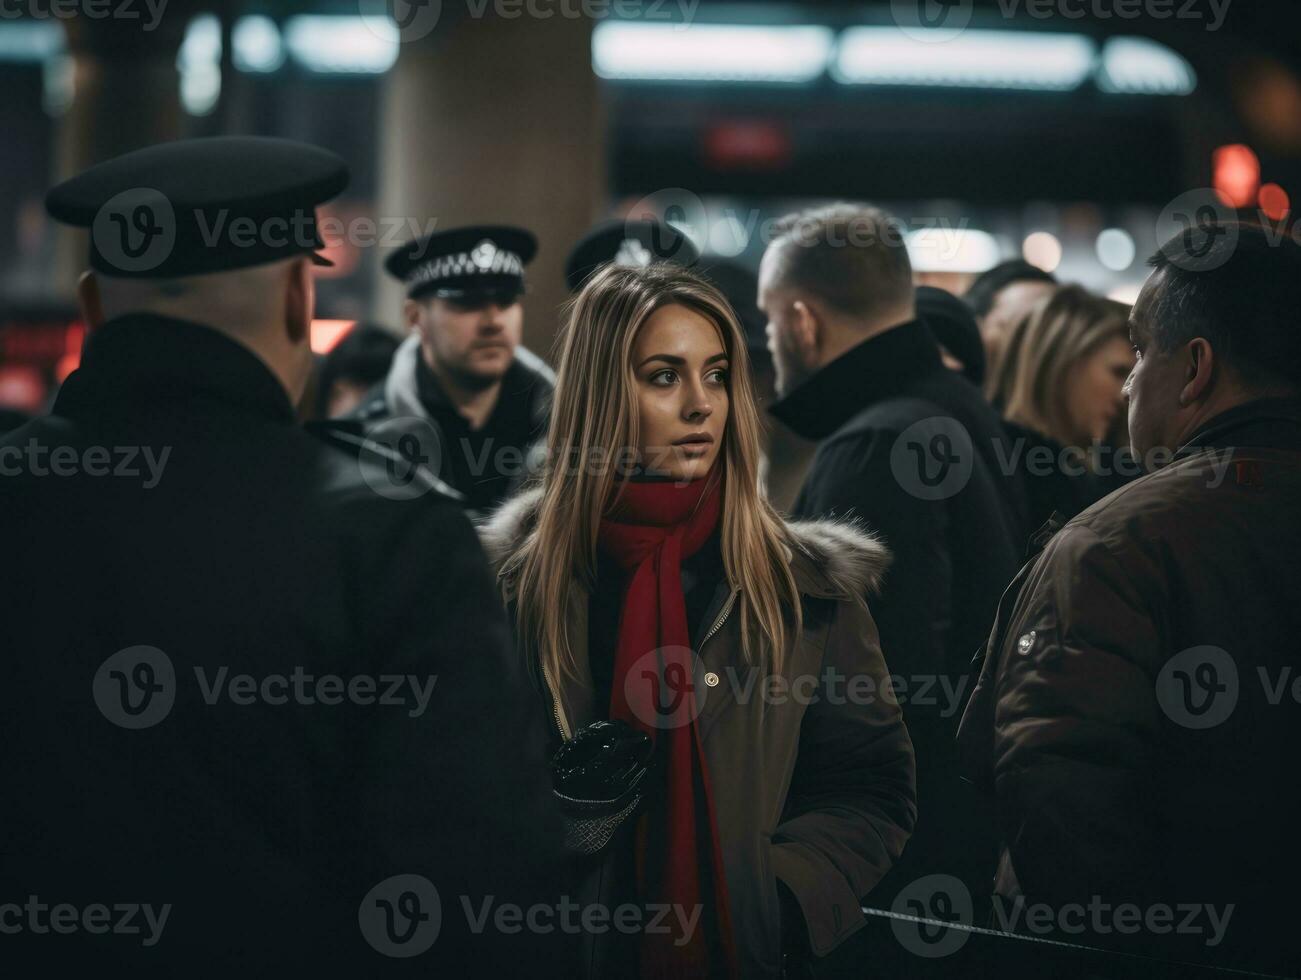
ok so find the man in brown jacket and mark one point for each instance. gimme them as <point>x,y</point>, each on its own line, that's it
<point>1138,710</point>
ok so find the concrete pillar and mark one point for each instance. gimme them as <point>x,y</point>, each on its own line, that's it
<point>126,94</point>
<point>496,120</point>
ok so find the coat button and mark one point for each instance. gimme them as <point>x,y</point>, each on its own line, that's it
<point>711,679</point>
<point>1026,643</point>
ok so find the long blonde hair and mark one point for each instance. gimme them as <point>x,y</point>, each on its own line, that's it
<point>594,418</point>
<point>1054,336</point>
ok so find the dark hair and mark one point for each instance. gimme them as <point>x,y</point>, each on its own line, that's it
<point>363,357</point>
<point>980,294</point>
<point>852,256</point>
<point>1239,288</point>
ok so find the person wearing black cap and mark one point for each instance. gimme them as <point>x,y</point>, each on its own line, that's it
<point>219,703</point>
<point>955,327</point>
<point>477,399</point>
<point>635,242</point>
<point>353,366</point>
<point>1001,296</point>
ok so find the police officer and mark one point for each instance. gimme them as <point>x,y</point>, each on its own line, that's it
<point>633,242</point>
<point>259,708</point>
<point>463,398</point>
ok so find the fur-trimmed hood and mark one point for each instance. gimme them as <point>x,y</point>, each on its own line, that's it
<point>837,559</point>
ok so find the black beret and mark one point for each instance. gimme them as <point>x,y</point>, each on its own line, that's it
<point>196,206</point>
<point>461,263</point>
<point>636,242</point>
<point>740,287</point>
<point>980,294</point>
<point>954,326</point>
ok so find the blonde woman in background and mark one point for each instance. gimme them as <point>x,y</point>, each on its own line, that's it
<point>1059,387</point>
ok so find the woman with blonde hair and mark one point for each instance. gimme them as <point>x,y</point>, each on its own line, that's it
<point>1059,388</point>
<point>656,593</point>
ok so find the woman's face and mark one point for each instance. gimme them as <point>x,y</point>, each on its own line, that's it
<point>1093,389</point>
<point>681,376</point>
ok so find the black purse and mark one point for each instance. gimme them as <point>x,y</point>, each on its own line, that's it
<point>600,777</point>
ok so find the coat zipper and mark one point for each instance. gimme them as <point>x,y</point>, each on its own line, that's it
<point>555,704</point>
<point>722,617</point>
<point>717,625</point>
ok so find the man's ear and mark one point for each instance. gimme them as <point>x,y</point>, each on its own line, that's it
<point>1199,368</point>
<point>300,300</point>
<point>411,314</point>
<point>805,332</point>
<point>92,309</point>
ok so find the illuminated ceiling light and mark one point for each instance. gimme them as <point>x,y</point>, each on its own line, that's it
<point>1034,60</point>
<point>951,250</point>
<point>710,52</point>
<point>1116,249</point>
<point>1139,66</point>
<point>31,41</point>
<point>255,44</point>
<point>1236,170</point>
<point>199,63</point>
<point>1042,249</point>
<point>1274,202</point>
<point>342,44</point>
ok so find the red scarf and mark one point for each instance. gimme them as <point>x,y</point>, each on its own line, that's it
<point>648,532</point>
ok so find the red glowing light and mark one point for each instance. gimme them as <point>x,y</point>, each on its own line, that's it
<point>1237,174</point>
<point>327,333</point>
<point>747,145</point>
<point>21,387</point>
<point>1274,202</point>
